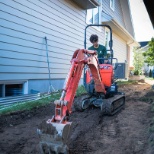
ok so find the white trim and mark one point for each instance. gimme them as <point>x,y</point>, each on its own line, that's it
<point>122,32</point>
<point>112,7</point>
<point>100,12</point>
<point>25,87</point>
<point>108,37</point>
<point>93,16</point>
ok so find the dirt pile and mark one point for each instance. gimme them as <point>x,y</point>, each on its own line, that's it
<point>92,133</point>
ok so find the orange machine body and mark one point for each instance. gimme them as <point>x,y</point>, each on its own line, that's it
<point>106,72</point>
<point>63,106</point>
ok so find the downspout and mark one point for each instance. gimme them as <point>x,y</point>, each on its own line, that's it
<point>50,85</point>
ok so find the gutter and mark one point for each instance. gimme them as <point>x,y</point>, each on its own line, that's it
<point>126,33</point>
<point>94,2</point>
<point>122,32</point>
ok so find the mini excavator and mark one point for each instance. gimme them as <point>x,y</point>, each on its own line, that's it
<point>102,92</point>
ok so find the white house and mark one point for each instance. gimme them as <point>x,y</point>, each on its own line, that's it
<point>25,24</point>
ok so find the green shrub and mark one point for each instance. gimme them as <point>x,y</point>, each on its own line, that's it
<point>81,90</point>
<point>136,72</point>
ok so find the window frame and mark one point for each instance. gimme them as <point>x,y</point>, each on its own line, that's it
<point>107,39</point>
<point>3,87</point>
<point>93,16</point>
<point>112,6</point>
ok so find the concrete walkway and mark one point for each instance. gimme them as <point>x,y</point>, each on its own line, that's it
<point>149,81</point>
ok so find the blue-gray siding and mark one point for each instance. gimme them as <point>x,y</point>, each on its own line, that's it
<point>121,13</point>
<point>25,23</point>
<point>116,14</point>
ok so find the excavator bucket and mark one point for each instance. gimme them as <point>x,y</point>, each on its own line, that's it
<point>53,137</point>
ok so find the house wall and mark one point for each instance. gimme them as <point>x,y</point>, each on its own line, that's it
<point>23,27</point>
<point>121,13</point>
<point>119,48</point>
<point>119,45</point>
<point>127,16</point>
<point>116,14</point>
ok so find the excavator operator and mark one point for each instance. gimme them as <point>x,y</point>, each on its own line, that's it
<point>101,50</point>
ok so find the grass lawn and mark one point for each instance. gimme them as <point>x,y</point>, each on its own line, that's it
<point>20,106</point>
<point>126,82</point>
<point>46,100</point>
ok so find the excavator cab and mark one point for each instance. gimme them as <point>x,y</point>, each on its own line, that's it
<point>102,92</point>
<point>112,100</point>
<point>106,70</point>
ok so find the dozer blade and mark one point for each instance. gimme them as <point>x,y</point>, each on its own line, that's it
<point>53,137</point>
<point>113,105</point>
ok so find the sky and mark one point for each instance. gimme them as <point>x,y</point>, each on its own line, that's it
<point>141,22</point>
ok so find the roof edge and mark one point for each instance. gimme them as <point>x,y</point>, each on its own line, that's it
<point>122,32</point>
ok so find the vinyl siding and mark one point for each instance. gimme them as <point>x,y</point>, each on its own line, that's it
<point>119,45</point>
<point>127,16</point>
<point>25,24</point>
<point>23,27</point>
<point>121,13</point>
<point>116,14</point>
<point>119,48</point>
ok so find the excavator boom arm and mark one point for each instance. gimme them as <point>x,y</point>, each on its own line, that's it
<point>54,132</point>
<point>63,106</point>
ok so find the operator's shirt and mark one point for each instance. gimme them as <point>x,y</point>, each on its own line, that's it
<point>101,51</point>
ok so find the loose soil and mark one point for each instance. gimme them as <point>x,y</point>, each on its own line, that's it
<point>92,133</point>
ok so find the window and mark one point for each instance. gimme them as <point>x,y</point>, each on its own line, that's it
<point>112,4</point>
<point>13,89</point>
<point>94,15</point>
